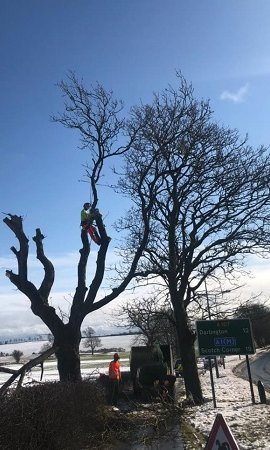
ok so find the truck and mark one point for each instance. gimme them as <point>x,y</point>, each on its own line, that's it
<point>151,369</point>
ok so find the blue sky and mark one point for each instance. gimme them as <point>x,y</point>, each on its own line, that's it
<point>133,48</point>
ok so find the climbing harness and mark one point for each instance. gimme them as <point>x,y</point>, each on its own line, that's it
<point>87,224</point>
<point>92,231</point>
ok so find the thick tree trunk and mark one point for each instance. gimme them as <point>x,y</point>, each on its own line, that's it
<point>186,338</point>
<point>68,355</point>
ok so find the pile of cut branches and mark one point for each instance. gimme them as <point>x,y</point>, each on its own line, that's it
<point>59,416</point>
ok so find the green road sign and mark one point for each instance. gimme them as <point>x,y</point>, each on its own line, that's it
<point>225,337</point>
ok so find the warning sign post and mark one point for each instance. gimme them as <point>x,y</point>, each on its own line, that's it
<point>220,437</point>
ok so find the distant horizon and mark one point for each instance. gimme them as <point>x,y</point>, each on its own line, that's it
<point>44,337</point>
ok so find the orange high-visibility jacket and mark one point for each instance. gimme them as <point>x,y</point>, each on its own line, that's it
<point>114,370</point>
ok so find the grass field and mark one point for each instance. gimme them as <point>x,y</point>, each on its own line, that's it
<point>91,365</point>
<point>102,356</point>
<point>88,361</point>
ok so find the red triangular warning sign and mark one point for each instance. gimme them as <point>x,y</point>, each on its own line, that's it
<point>220,437</point>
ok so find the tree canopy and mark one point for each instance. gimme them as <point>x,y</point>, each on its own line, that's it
<point>153,318</point>
<point>210,198</point>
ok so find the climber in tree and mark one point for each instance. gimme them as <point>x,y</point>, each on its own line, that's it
<point>87,218</point>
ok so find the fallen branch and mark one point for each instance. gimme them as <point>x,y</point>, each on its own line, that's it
<point>7,370</point>
<point>26,367</point>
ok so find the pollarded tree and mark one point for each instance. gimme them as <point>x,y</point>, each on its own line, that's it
<point>95,114</point>
<point>211,203</point>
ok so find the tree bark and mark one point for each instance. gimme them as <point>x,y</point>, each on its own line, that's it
<point>67,354</point>
<point>186,339</point>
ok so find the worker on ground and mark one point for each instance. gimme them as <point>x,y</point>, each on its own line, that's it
<point>114,379</point>
<point>87,219</point>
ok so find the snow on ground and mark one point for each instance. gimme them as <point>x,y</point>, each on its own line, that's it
<point>88,370</point>
<point>249,423</point>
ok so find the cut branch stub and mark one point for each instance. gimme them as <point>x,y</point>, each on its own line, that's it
<point>14,250</point>
<point>15,224</point>
<point>39,236</point>
<point>101,228</point>
<point>48,279</point>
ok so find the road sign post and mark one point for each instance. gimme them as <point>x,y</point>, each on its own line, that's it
<point>226,337</point>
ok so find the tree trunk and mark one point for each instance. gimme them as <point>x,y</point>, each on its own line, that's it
<point>68,355</point>
<point>186,338</point>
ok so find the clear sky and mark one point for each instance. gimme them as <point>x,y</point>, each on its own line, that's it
<point>133,48</point>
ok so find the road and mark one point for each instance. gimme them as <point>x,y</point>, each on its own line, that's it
<point>172,441</point>
<point>260,369</point>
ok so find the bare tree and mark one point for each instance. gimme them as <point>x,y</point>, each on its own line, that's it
<point>211,203</point>
<point>94,114</point>
<point>214,302</point>
<point>153,318</point>
<point>91,340</point>
<point>17,354</point>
